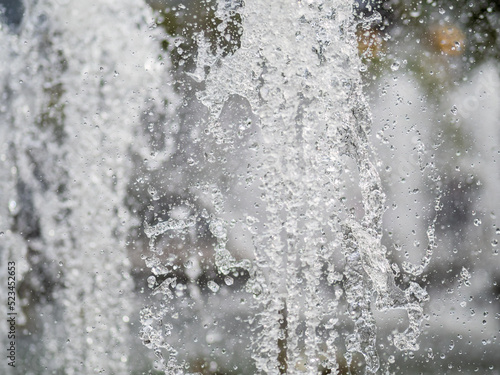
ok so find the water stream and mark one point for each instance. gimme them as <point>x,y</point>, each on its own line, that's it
<point>73,94</point>
<point>212,203</point>
<point>310,205</point>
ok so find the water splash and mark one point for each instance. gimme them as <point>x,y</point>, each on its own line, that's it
<point>316,215</point>
<point>65,76</point>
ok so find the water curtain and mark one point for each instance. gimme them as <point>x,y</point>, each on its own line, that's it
<point>72,107</point>
<point>311,200</point>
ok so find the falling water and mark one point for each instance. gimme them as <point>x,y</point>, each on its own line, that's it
<point>288,187</point>
<point>226,143</point>
<point>276,178</point>
<point>76,79</point>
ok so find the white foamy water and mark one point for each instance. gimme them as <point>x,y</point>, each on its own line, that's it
<point>76,81</point>
<point>308,202</point>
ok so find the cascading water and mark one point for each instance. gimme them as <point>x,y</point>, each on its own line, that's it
<point>232,153</point>
<point>296,148</point>
<point>76,79</point>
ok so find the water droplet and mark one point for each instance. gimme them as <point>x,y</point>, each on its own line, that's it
<point>151,281</point>
<point>229,280</point>
<point>152,191</point>
<point>395,66</point>
<point>213,286</point>
<point>430,353</point>
<point>12,206</point>
<point>477,222</point>
<point>217,228</point>
<point>454,110</point>
<point>465,276</point>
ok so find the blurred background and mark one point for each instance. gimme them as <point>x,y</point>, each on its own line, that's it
<point>431,74</point>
